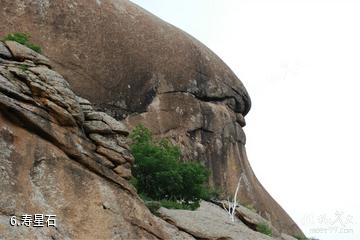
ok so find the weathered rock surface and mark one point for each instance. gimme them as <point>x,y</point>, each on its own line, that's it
<point>20,52</point>
<point>48,167</point>
<point>4,51</point>
<point>212,222</point>
<point>135,66</point>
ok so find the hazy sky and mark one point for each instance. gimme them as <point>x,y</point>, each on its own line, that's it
<point>300,62</point>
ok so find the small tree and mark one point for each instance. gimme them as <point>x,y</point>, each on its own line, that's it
<point>159,172</point>
<point>231,208</point>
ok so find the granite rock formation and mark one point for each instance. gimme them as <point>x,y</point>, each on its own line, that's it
<point>138,68</point>
<point>59,156</point>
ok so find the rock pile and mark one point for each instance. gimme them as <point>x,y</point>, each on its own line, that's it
<point>109,136</point>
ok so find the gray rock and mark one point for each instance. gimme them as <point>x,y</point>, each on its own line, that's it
<point>240,134</point>
<point>107,142</point>
<point>210,222</point>
<point>48,83</point>
<point>115,125</point>
<point>4,52</point>
<point>97,127</point>
<point>87,108</point>
<point>10,89</point>
<point>287,237</point>
<point>63,117</point>
<point>82,101</point>
<point>251,218</point>
<point>240,119</point>
<point>122,141</point>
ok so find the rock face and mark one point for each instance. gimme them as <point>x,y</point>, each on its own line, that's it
<point>49,165</point>
<point>58,156</point>
<point>136,67</point>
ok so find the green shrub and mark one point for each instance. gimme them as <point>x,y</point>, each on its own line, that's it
<point>22,38</point>
<point>161,176</point>
<point>264,228</point>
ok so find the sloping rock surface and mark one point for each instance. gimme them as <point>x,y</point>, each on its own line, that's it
<point>136,67</point>
<point>50,165</point>
<point>212,222</point>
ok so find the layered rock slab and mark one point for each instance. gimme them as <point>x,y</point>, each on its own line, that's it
<point>211,222</point>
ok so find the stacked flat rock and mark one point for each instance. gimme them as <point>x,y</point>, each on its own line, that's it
<point>109,136</point>
<point>42,99</point>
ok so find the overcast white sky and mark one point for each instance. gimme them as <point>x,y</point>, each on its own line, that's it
<point>300,62</point>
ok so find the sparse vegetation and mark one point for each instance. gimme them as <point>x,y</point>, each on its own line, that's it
<point>264,228</point>
<point>22,38</point>
<point>159,175</point>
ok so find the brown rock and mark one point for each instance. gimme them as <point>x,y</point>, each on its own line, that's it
<point>103,160</point>
<point>52,183</point>
<point>123,172</point>
<point>62,116</point>
<point>48,168</point>
<point>115,157</point>
<point>151,73</point>
<point>133,45</point>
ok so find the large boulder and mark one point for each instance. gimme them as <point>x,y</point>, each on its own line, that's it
<point>136,67</point>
